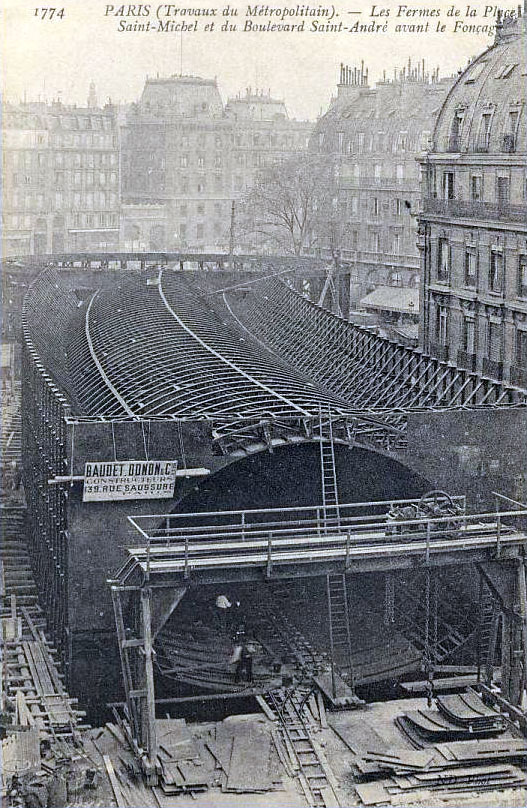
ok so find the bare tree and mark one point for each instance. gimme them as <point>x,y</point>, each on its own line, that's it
<point>291,205</point>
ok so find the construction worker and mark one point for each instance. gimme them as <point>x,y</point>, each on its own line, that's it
<point>244,665</point>
<point>223,605</point>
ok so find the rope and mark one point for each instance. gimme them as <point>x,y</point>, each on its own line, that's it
<point>144,440</point>
<point>113,441</point>
<point>72,450</point>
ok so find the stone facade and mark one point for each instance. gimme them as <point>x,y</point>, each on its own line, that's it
<point>187,157</point>
<point>61,178</point>
<point>375,134</point>
<point>473,229</point>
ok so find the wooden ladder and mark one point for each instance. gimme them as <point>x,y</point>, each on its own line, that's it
<point>337,595</point>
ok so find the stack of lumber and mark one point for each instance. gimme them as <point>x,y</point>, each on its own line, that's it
<point>184,767</point>
<point>247,756</point>
<point>453,768</point>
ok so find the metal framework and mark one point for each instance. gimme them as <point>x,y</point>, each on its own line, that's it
<point>183,548</point>
<point>266,543</point>
<point>256,360</point>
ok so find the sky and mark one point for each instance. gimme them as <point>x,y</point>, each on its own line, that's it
<point>50,58</point>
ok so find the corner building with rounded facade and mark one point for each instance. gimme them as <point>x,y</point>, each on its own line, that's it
<point>473,224</point>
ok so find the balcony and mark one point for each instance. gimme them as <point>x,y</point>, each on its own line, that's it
<point>492,368</point>
<point>519,376</point>
<point>482,144</point>
<point>439,351</point>
<point>472,209</point>
<point>466,361</point>
<point>508,143</point>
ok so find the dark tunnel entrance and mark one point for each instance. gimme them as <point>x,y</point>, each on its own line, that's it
<point>291,475</point>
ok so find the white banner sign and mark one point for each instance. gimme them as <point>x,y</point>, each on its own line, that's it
<point>129,479</point>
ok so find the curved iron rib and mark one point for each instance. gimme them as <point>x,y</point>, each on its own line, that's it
<point>100,368</point>
<point>224,359</point>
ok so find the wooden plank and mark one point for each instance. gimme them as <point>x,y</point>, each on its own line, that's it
<point>265,708</point>
<point>372,793</point>
<point>248,767</point>
<point>322,711</point>
<point>116,788</point>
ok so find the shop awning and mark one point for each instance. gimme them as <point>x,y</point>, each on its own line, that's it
<point>392,298</point>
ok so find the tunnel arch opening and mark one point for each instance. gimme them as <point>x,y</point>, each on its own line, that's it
<point>290,476</point>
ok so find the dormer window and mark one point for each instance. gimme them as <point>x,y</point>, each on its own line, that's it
<point>457,129</point>
<point>505,71</point>
<point>484,132</point>
<point>509,137</point>
<point>475,73</point>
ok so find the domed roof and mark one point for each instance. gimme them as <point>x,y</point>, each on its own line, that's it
<point>484,111</point>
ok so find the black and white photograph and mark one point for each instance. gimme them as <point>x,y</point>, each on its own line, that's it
<point>264,404</point>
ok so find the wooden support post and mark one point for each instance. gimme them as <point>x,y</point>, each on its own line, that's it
<point>149,706</point>
<point>522,597</point>
<point>125,661</point>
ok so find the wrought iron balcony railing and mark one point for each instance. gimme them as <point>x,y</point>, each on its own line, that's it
<point>492,368</point>
<point>519,376</point>
<point>509,143</point>
<point>439,351</point>
<point>466,361</point>
<point>471,209</point>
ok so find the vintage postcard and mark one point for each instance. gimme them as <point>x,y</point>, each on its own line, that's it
<point>264,388</point>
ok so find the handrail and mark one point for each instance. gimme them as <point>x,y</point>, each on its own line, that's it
<point>363,531</point>
<point>296,509</point>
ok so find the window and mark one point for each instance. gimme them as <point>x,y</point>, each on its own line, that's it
<point>505,71</point>
<point>509,138</point>
<point>399,172</point>
<point>475,72</point>
<point>360,142</point>
<point>442,325</point>
<point>522,275</point>
<point>521,348</point>
<point>218,161</point>
<point>397,207</point>
<point>514,117</point>
<point>493,341</point>
<point>354,204</point>
<point>341,141</point>
<point>201,209</point>
<point>183,231</point>
<point>377,171</point>
<point>470,266</point>
<point>457,129</point>
<point>201,162</point>
<point>484,132</point>
<point>183,161</point>
<point>375,242</point>
<point>396,279</point>
<point>199,231</point>
<point>396,244</point>
<point>469,335</point>
<point>443,259</point>
<point>448,185</point>
<point>496,270</point>
<point>476,187</point>
<point>503,191</point>
<point>375,206</point>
